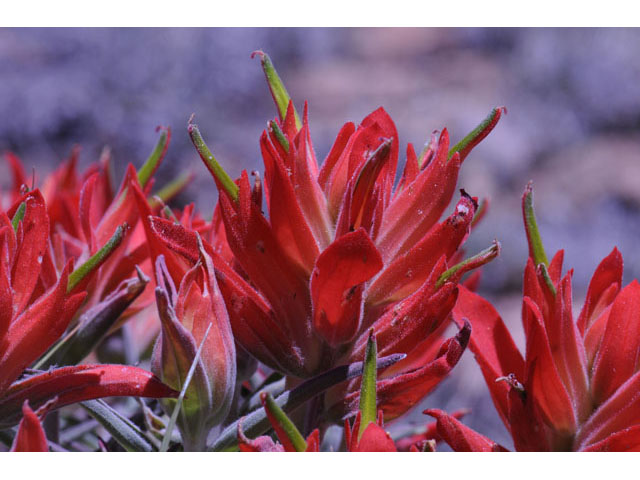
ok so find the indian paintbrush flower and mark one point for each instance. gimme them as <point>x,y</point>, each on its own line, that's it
<point>577,386</point>
<point>342,251</point>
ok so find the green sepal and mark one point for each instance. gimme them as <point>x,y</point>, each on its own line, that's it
<point>476,135</point>
<point>479,259</point>
<point>368,393</point>
<point>96,259</point>
<point>222,177</point>
<point>536,247</point>
<point>153,162</point>
<point>280,136</point>
<point>278,91</point>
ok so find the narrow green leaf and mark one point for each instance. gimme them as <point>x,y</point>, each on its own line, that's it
<point>286,425</point>
<point>476,135</point>
<point>276,86</point>
<point>96,259</point>
<point>176,409</point>
<point>124,431</point>
<point>211,163</point>
<point>256,423</point>
<point>19,215</point>
<point>147,170</point>
<point>368,404</point>
<point>536,248</point>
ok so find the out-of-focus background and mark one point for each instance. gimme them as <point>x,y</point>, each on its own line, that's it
<point>573,123</point>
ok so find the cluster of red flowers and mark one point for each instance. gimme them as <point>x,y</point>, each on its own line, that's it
<point>319,294</point>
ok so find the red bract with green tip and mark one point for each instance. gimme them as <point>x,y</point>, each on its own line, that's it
<point>342,251</point>
<point>577,387</point>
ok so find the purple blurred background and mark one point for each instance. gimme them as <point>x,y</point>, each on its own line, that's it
<point>573,97</point>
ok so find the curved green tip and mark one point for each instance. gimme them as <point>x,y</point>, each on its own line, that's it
<point>457,271</point>
<point>536,248</point>
<point>96,259</point>
<point>153,162</point>
<point>476,135</point>
<point>276,86</point>
<point>223,178</point>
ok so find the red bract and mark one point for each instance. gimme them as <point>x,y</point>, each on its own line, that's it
<point>30,436</point>
<point>341,252</point>
<point>578,385</point>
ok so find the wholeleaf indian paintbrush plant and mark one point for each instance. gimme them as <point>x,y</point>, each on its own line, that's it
<point>316,295</point>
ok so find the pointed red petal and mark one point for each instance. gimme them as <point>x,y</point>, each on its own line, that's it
<point>411,169</point>
<point>288,223</point>
<point>375,439</point>
<point>87,211</point>
<point>367,138</point>
<point>308,191</point>
<point>335,153</point>
<point>617,358</point>
<point>336,285</point>
<point>30,436</point>
<point>543,383</point>
<point>568,350</point>
<point>420,204</point>
<point>460,437</point>
<point>30,250</point>
<point>600,293</point>
<point>36,329</point>
<point>408,271</point>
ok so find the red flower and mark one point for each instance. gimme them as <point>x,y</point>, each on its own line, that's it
<point>341,252</point>
<point>34,315</point>
<point>84,211</point>
<point>578,385</point>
